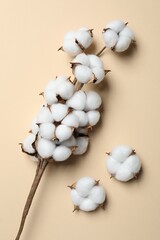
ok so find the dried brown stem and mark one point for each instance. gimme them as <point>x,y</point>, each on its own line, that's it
<point>39,173</point>
<point>74,81</point>
<point>101,51</point>
<point>80,86</point>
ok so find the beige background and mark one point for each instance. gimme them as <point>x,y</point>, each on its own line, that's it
<point>30,33</point>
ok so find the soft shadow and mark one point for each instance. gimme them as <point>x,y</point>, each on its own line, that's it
<point>132,50</point>
<point>92,49</point>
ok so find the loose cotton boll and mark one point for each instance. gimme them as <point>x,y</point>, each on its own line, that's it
<point>87,194</point>
<point>82,145</point>
<point>123,163</point>
<point>84,185</point>
<point>93,101</point>
<point>71,120</point>
<point>47,131</point>
<point>59,111</point>
<point>27,145</point>
<point>44,115</point>
<point>77,101</point>
<point>83,73</point>
<point>63,132</point>
<point>82,117</point>
<point>61,153</point>
<point>84,37</point>
<point>93,117</point>
<point>97,194</point>
<point>65,90</point>
<point>45,148</point>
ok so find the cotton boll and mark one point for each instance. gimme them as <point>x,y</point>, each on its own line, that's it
<point>71,120</point>
<point>78,100</point>
<point>82,58</point>
<point>99,74</point>
<point>35,127</point>
<point>88,205</point>
<point>87,195</point>
<point>118,36</point>
<point>116,25</point>
<point>127,32</point>
<point>95,61</point>
<point>65,90</point>
<point>27,145</point>
<point>84,37</point>
<point>94,100</point>
<point>124,174</point>
<point>63,132</point>
<point>93,117</point>
<point>83,73</point>
<point>50,97</point>
<point>97,194</point>
<point>133,163</point>
<point>45,148</point>
<point>76,199</point>
<point>82,145</point>
<point>59,111</point>
<point>122,44</point>
<point>110,38</point>
<point>123,163</point>
<point>61,153</point>
<point>84,185</point>
<point>71,142</point>
<point>47,131</point>
<point>112,165</point>
<point>120,153</point>
<point>44,115</point>
<point>82,117</point>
